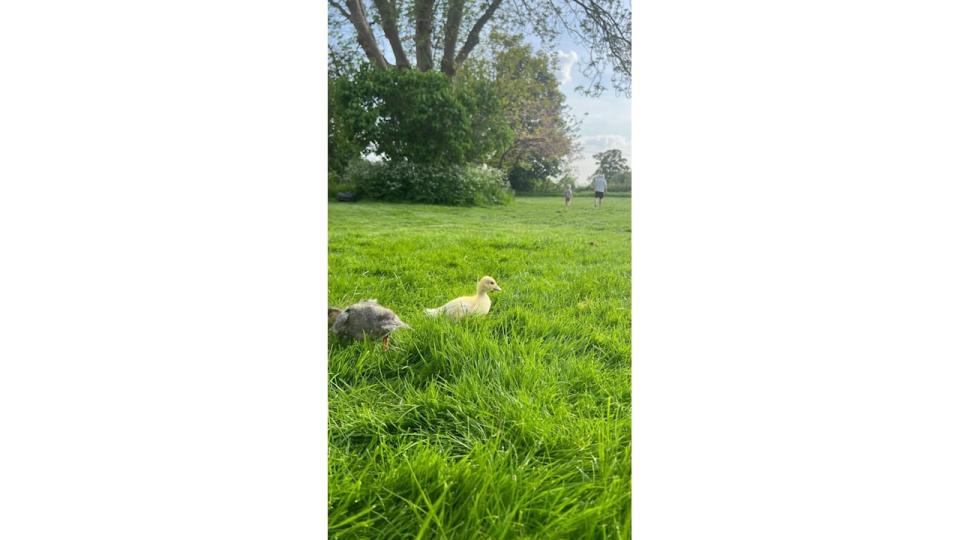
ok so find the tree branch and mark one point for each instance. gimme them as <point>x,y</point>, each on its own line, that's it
<point>358,16</point>
<point>423,15</point>
<point>388,18</point>
<point>603,18</point>
<point>340,8</point>
<point>611,31</point>
<point>474,36</point>
<point>451,31</point>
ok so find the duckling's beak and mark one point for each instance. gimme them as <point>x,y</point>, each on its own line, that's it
<point>497,288</point>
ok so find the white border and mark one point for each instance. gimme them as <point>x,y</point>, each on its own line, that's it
<point>795,270</point>
<point>163,270</point>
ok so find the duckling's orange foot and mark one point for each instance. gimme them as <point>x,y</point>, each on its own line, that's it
<point>386,342</point>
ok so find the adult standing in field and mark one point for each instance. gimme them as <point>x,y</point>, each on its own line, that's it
<point>599,188</point>
<point>567,195</point>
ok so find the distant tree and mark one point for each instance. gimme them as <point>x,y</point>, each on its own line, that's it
<point>614,168</point>
<point>533,106</point>
<point>611,162</point>
<point>533,176</point>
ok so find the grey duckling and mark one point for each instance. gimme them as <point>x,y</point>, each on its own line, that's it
<point>366,318</point>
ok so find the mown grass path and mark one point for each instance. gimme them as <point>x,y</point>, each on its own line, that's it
<point>514,425</point>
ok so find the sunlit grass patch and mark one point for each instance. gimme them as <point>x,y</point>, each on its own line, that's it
<point>513,425</point>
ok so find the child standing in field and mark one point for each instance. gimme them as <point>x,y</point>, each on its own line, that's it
<point>567,195</point>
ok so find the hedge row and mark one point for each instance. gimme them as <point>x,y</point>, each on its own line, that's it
<point>458,185</point>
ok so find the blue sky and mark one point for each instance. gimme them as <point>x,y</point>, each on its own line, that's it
<point>605,119</point>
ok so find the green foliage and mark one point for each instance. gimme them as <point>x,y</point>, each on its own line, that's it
<point>422,117</point>
<point>338,184</point>
<point>534,176</point>
<point>534,107</point>
<point>513,425</point>
<point>342,146</point>
<point>457,185</point>
<point>489,131</point>
<point>506,111</point>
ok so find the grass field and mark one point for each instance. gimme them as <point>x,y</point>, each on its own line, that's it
<point>513,425</point>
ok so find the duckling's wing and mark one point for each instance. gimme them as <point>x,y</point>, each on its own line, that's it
<point>458,307</point>
<point>385,317</point>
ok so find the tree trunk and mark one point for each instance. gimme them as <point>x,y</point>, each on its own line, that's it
<point>474,36</point>
<point>388,16</point>
<point>451,31</point>
<point>423,13</point>
<point>358,16</point>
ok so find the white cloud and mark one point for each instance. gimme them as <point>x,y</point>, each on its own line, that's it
<point>599,143</point>
<point>594,144</point>
<point>567,61</point>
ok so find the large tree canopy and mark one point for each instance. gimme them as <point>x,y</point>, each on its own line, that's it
<point>442,34</point>
<point>503,109</point>
<point>412,116</point>
<point>533,106</point>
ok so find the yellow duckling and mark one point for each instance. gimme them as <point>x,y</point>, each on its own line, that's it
<point>478,304</point>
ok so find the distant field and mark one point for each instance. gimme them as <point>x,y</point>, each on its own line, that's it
<point>514,425</point>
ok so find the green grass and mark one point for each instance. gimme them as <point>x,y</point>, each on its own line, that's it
<point>512,425</point>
